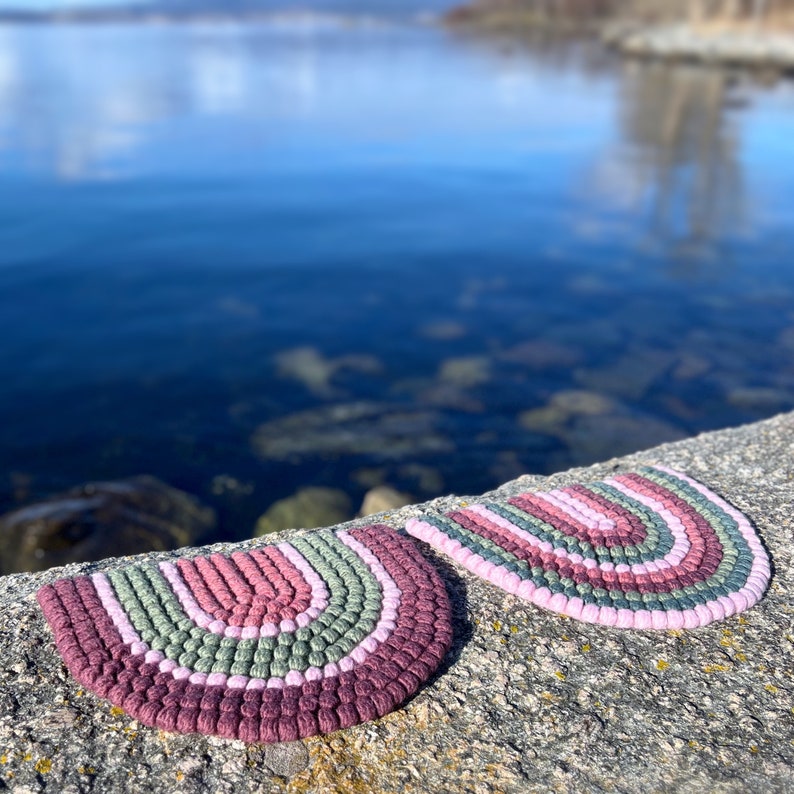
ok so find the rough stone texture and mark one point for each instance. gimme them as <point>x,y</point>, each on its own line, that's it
<point>526,701</point>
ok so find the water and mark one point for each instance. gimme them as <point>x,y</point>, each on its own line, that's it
<point>430,240</point>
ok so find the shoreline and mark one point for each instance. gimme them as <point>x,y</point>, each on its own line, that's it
<point>740,46</point>
<point>746,45</point>
<point>681,43</point>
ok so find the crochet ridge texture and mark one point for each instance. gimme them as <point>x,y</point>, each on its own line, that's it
<point>274,644</point>
<point>651,549</point>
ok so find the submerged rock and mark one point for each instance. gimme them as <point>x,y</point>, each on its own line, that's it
<point>542,354</point>
<point>442,331</point>
<point>631,376</point>
<point>308,508</point>
<point>465,371</point>
<point>417,476</point>
<point>563,406</point>
<point>101,519</point>
<point>691,366</point>
<point>595,427</point>
<point>760,399</point>
<point>309,366</point>
<point>358,428</point>
<point>383,498</point>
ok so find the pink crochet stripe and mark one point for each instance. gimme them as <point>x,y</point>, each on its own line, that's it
<point>319,601</point>
<point>681,544</point>
<point>246,589</point>
<point>383,629</point>
<point>655,571</point>
<point>578,510</point>
<point>760,569</point>
<point>119,617</point>
<point>578,514</point>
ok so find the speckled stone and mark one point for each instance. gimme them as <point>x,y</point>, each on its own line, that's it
<point>526,701</point>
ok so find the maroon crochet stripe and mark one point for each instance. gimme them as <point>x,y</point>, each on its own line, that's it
<point>630,530</point>
<point>705,552</point>
<point>664,581</point>
<point>552,515</point>
<point>518,547</point>
<point>97,657</point>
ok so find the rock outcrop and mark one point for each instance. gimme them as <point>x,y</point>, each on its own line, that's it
<point>99,519</point>
<point>525,701</point>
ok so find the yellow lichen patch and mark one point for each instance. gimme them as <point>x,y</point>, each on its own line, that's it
<point>464,504</point>
<point>497,626</point>
<point>550,697</point>
<point>662,665</point>
<point>694,744</point>
<point>86,770</point>
<point>586,648</point>
<point>3,759</point>
<point>27,757</point>
<point>180,775</point>
<point>715,668</point>
<point>753,748</point>
<point>43,766</point>
<point>338,765</point>
<point>743,620</point>
<point>115,711</point>
<point>771,688</point>
<point>560,674</point>
<point>514,629</point>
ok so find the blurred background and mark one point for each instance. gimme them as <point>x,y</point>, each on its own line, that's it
<point>269,263</point>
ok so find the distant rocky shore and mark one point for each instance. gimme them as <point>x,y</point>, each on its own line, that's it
<point>729,47</point>
<point>740,44</point>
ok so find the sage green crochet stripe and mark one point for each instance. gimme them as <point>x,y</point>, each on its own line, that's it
<point>354,607</point>
<point>332,631</point>
<point>499,556</point>
<point>539,528</point>
<point>682,598</point>
<point>478,544</point>
<point>659,540</point>
<point>734,569</point>
<point>658,543</point>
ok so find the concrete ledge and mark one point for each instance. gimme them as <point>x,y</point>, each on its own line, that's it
<point>526,701</point>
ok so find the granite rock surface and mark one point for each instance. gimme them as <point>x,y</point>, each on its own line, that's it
<point>525,701</point>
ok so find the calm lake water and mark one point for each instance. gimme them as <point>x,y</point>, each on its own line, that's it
<point>249,258</point>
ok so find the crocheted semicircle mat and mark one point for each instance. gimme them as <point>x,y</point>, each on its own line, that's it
<point>274,644</point>
<point>653,549</point>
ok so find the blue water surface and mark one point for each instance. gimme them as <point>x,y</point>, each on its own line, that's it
<point>451,233</point>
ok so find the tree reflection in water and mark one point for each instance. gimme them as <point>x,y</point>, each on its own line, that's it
<point>685,152</point>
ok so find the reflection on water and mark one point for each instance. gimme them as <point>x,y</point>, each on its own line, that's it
<point>688,163</point>
<point>248,259</point>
